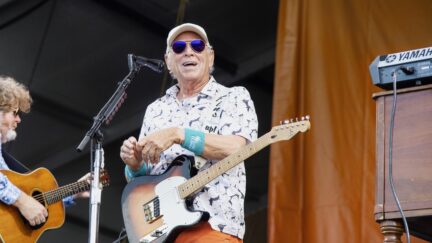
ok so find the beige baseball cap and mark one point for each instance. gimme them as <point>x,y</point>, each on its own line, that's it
<point>185,28</point>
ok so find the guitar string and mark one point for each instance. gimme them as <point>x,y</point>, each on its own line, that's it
<point>212,172</point>
<point>66,189</point>
<point>193,184</point>
<point>59,193</point>
<point>54,196</point>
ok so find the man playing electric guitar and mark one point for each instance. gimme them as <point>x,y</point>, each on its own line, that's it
<point>197,116</point>
<point>15,98</point>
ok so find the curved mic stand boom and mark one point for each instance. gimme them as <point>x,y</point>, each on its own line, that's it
<point>105,115</point>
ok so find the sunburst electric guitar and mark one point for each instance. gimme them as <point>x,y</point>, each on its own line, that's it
<point>42,186</point>
<point>154,207</point>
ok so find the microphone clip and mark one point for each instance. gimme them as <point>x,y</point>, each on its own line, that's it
<point>136,62</point>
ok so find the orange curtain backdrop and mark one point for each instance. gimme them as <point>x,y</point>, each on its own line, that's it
<point>322,182</point>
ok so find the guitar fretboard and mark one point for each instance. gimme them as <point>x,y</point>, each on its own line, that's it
<point>201,179</point>
<point>58,194</point>
<point>283,132</point>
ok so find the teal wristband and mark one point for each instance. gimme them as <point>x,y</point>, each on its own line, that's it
<point>132,174</point>
<point>194,141</point>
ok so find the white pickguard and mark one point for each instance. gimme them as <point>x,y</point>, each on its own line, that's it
<point>172,208</point>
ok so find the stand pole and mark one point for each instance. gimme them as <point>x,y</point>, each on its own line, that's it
<point>94,134</point>
<point>96,189</point>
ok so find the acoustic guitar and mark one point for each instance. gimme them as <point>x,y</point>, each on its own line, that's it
<point>42,186</point>
<point>154,207</point>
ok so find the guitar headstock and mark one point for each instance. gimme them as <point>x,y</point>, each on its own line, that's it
<point>289,128</point>
<point>104,178</point>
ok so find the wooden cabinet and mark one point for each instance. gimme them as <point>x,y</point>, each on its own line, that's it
<point>412,162</point>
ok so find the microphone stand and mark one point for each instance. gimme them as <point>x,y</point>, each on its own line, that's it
<point>105,115</point>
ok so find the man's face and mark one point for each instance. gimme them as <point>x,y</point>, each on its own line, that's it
<point>8,123</point>
<point>190,65</point>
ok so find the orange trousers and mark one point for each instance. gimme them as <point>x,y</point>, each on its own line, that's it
<point>203,233</point>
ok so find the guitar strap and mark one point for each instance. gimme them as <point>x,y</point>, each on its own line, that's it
<point>14,164</point>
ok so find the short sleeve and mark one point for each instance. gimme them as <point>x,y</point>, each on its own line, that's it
<point>239,115</point>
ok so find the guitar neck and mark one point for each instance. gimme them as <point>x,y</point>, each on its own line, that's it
<point>203,178</point>
<point>58,194</point>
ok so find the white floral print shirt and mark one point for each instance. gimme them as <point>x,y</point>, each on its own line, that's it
<point>216,109</point>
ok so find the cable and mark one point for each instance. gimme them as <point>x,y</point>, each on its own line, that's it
<point>122,236</point>
<point>393,114</point>
<point>42,43</point>
<point>27,10</point>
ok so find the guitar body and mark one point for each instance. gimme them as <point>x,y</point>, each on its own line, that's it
<point>158,197</point>
<point>154,207</point>
<point>14,227</point>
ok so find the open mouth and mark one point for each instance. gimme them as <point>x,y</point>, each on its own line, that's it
<point>189,64</point>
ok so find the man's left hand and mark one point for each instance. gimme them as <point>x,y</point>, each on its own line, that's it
<point>154,144</point>
<point>85,194</point>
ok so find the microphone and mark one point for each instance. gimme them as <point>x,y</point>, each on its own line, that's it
<point>154,64</point>
<point>131,62</point>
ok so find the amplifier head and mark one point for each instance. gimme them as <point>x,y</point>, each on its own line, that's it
<point>412,68</point>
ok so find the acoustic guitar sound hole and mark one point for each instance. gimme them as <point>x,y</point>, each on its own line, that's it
<point>37,195</point>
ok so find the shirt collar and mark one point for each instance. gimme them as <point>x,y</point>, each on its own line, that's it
<point>210,89</point>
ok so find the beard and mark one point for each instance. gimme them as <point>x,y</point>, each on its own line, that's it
<point>10,135</point>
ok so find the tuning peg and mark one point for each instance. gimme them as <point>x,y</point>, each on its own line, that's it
<point>307,117</point>
<point>291,120</point>
<point>296,119</point>
<point>285,122</point>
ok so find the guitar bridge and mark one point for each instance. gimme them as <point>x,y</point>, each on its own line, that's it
<point>152,210</point>
<point>155,235</point>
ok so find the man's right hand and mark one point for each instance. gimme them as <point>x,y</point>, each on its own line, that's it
<point>31,209</point>
<point>130,154</point>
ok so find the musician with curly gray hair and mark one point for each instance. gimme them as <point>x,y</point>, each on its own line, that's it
<point>14,99</point>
